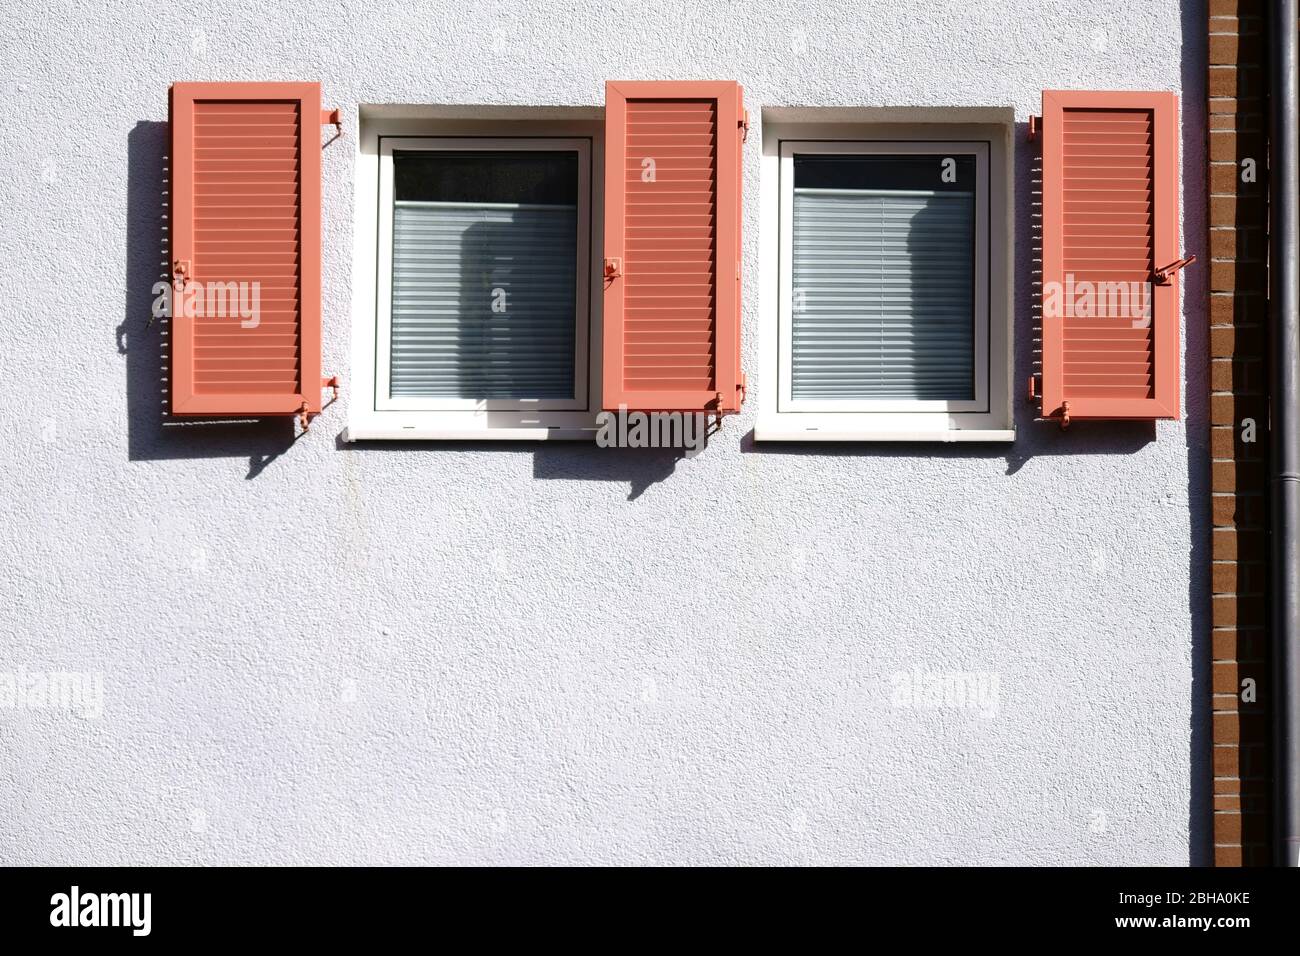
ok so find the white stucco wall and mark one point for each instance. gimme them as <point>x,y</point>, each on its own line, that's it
<point>319,652</point>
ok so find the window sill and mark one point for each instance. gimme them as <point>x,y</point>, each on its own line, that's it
<point>776,430</point>
<point>356,433</point>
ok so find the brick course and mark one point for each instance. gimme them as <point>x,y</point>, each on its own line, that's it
<point>1237,246</point>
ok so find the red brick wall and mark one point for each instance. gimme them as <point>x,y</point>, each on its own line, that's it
<point>1238,391</point>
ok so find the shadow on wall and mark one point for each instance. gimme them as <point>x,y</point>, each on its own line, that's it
<point>640,468</point>
<point>1196,420</point>
<point>151,434</point>
<point>1034,439</point>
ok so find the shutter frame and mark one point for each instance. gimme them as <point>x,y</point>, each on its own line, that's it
<point>728,383</point>
<point>1166,315</point>
<point>186,400</point>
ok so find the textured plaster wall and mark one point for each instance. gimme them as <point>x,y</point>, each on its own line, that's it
<point>316,652</point>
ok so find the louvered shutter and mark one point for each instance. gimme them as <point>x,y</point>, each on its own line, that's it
<point>245,208</point>
<point>672,246</point>
<point>1110,222</point>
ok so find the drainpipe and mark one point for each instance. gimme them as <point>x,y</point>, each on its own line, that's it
<point>1284,425</point>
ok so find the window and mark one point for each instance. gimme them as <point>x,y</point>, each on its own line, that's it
<point>479,245</point>
<point>479,325</point>
<point>888,321</point>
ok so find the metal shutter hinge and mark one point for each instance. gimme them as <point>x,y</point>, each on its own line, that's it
<point>1035,126</point>
<point>718,413</point>
<point>743,123</point>
<point>180,273</point>
<point>332,116</point>
<point>613,268</point>
<point>1065,406</point>
<point>304,416</point>
<point>1164,275</point>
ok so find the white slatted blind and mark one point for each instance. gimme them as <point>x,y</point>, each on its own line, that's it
<point>883,294</point>
<point>483,300</point>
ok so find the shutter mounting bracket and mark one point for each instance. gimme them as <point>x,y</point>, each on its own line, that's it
<point>744,127</point>
<point>304,415</point>
<point>1034,397</point>
<point>1035,126</point>
<point>1163,275</point>
<point>717,416</point>
<point>334,117</point>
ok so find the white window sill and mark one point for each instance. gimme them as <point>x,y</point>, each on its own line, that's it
<point>355,433</point>
<point>777,429</point>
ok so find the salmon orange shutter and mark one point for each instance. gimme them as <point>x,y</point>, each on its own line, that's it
<point>1110,255</point>
<point>246,228</point>
<point>672,246</point>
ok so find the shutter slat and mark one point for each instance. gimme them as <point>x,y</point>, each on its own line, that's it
<point>1109,219</point>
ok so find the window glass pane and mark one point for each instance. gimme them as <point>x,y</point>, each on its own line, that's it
<point>484,274</point>
<point>883,277</point>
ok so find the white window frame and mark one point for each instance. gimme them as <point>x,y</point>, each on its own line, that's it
<point>373,413</point>
<point>986,418</point>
